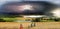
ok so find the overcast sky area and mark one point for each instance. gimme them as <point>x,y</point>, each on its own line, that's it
<point>5,1</point>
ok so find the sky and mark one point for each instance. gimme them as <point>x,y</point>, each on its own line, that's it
<point>53,1</point>
<point>6,1</point>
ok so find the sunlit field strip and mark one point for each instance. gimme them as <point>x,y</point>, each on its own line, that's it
<point>39,25</point>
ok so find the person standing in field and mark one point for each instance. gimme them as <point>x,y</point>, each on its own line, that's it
<point>21,26</point>
<point>33,24</point>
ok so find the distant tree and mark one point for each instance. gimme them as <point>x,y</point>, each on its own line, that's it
<point>2,20</point>
<point>36,20</point>
<point>56,19</point>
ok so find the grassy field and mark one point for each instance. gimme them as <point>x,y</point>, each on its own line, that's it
<point>39,25</point>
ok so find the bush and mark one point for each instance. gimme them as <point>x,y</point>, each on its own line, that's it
<point>2,20</point>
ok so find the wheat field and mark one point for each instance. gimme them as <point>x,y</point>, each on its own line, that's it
<point>39,25</point>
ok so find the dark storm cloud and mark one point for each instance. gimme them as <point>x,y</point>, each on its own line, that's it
<point>2,2</point>
<point>46,7</point>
